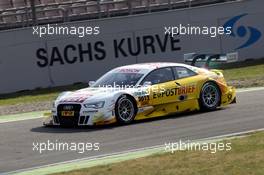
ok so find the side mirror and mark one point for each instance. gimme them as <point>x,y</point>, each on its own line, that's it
<point>91,83</point>
<point>147,83</point>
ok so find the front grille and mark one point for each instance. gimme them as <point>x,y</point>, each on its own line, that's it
<point>69,120</point>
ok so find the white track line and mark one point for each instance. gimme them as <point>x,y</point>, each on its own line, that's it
<point>250,89</point>
<point>123,153</point>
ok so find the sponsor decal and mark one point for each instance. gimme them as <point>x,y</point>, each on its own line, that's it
<point>129,70</point>
<point>174,92</point>
<point>242,31</point>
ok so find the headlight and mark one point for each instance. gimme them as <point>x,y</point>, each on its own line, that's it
<point>95,105</point>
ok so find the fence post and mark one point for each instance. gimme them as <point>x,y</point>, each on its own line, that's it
<point>169,4</point>
<point>129,5</point>
<point>33,10</point>
<point>99,8</point>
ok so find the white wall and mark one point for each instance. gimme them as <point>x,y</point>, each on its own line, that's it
<point>18,61</point>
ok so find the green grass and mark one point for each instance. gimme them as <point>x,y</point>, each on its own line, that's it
<point>250,76</point>
<point>245,158</point>
<point>28,99</point>
<point>37,95</point>
<point>245,72</point>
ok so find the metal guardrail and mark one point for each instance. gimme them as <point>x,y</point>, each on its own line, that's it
<point>63,12</point>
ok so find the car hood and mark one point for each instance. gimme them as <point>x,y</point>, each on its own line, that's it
<point>90,94</point>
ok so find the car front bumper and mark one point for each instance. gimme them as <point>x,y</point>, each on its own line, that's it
<point>83,117</point>
<point>229,96</point>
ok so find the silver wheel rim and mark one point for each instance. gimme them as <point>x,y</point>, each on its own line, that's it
<point>125,109</point>
<point>210,96</point>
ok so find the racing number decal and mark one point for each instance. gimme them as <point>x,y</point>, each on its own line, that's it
<point>143,98</point>
<point>229,97</point>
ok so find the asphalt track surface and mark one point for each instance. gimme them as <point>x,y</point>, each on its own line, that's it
<point>16,144</point>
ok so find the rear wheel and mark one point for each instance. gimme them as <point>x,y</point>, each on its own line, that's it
<point>125,110</point>
<point>209,97</point>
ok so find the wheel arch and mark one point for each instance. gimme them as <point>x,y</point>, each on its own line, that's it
<point>216,84</point>
<point>210,81</point>
<point>132,98</point>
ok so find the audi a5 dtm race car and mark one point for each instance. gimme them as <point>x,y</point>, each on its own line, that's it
<point>142,91</point>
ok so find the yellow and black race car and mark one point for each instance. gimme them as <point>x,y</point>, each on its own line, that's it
<point>142,91</point>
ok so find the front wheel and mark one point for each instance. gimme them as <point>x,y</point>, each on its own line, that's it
<point>125,110</point>
<point>209,96</point>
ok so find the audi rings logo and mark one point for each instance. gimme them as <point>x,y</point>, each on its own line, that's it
<point>68,107</point>
<point>241,31</point>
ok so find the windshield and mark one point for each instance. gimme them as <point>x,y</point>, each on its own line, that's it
<point>115,78</point>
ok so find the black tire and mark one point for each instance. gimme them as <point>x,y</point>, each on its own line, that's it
<point>210,97</point>
<point>125,110</point>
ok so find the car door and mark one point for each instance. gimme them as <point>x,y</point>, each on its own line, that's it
<point>163,87</point>
<point>187,80</point>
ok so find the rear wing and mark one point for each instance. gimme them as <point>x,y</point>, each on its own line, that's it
<point>206,59</point>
